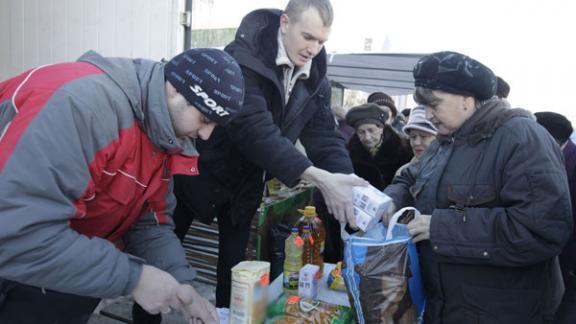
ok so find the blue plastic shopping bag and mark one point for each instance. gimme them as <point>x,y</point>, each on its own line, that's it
<point>382,273</point>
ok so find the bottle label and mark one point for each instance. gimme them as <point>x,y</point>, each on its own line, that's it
<point>290,280</point>
<point>298,241</point>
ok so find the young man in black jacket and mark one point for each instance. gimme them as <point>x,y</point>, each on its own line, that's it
<point>287,99</point>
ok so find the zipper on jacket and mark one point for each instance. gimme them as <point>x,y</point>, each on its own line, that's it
<point>304,104</point>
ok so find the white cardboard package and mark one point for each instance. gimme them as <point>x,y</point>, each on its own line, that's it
<point>249,296</point>
<point>308,281</point>
<point>369,206</point>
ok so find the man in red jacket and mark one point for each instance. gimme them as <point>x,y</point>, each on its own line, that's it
<point>87,154</point>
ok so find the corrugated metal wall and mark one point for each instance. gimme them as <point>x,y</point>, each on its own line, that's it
<point>36,32</point>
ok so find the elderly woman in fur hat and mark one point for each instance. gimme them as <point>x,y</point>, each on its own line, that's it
<point>395,120</point>
<point>376,150</point>
<point>494,199</point>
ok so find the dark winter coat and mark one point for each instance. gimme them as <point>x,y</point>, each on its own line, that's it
<point>568,255</point>
<point>380,168</point>
<point>500,207</point>
<point>262,136</point>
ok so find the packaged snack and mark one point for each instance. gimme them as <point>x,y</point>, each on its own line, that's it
<point>293,309</point>
<point>335,280</point>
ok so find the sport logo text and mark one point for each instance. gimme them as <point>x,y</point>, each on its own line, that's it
<point>209,101</point>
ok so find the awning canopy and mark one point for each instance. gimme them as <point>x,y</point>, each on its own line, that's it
<point>371,72</point>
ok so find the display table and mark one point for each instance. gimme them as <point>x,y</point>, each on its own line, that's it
<point>325,294</point>
<point>275,289</point>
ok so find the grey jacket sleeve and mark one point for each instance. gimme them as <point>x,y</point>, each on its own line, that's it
<point>41,180</point>
<point>158,245</point>
<point>534,219</point>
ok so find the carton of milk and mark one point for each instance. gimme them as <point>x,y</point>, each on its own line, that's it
<point>369,206</point>
<point>308,281</point>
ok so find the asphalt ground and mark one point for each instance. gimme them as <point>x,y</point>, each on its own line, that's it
<point>118,311</point>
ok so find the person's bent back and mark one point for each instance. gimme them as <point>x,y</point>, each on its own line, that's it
<point>87,151</point>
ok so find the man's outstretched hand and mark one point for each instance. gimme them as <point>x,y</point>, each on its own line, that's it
<point>336,188</point>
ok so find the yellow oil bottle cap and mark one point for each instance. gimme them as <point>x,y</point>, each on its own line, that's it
<point>308,211</point>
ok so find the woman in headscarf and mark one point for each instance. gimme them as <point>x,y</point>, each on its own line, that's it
<point>494,199</point>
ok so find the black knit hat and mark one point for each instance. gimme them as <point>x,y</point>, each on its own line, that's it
<point>368,113</point>
<point>211,81</point>
<point>557,125</point>
<point>502,88</point>
<point>382,99</point>
<point>455,73</point>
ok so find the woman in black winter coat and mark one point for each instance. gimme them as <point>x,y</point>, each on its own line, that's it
<point>494,199</point>
<point>376,150</point>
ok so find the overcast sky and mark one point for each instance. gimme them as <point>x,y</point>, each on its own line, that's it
<point>531,44</point>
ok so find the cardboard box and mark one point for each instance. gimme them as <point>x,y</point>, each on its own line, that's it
<point>308,281</point>
<point>369,206</point>
<point>249,295</point>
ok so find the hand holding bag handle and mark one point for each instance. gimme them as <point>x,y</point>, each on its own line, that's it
<point>390,234</point>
